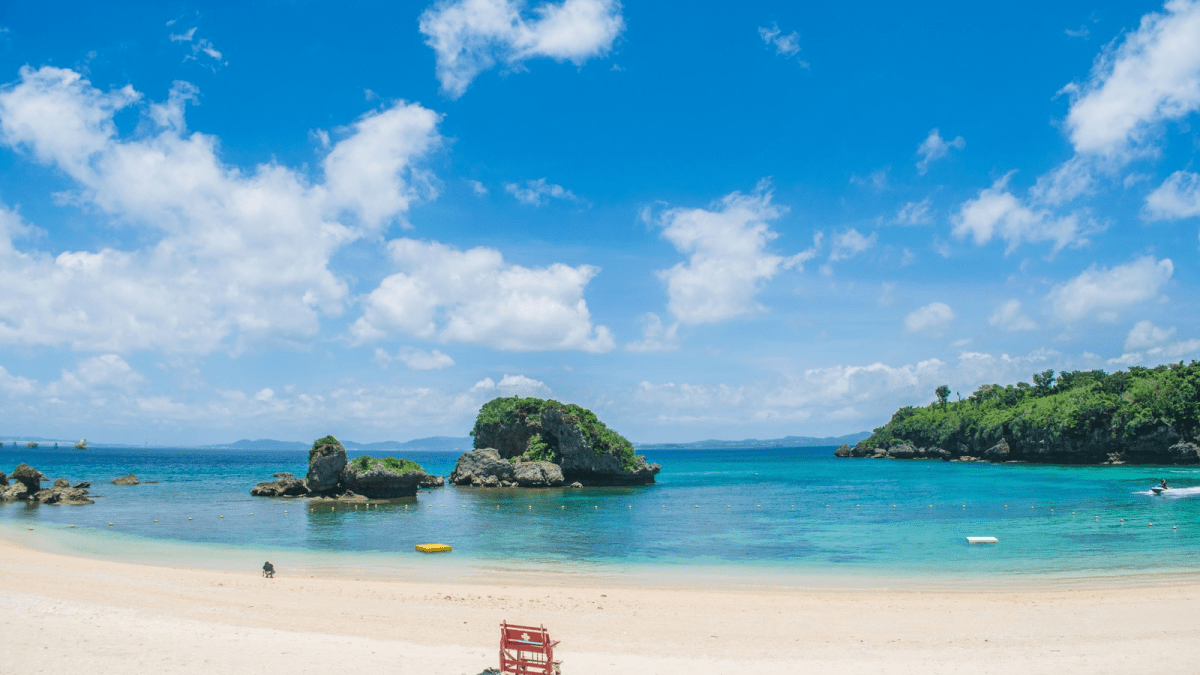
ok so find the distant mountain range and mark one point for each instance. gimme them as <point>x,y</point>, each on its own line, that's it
<point>453,444</point>
<point>433,443</point>
<point>755,444</point>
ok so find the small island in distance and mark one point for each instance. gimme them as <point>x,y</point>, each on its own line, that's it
<point>1138,416</point>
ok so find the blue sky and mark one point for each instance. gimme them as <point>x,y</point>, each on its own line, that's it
<point>286,219</point>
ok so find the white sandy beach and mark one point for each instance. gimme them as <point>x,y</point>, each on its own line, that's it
<point>61,613</point>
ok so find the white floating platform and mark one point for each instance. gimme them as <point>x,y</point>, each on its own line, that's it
<point>982,540</point>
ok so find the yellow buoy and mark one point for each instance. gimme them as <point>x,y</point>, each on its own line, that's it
<point>433,548</point>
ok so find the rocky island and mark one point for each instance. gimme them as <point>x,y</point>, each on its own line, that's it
<point>531,442</point>
<point>1139,416</point>
<point>332,476</point>
<point>25,484</point>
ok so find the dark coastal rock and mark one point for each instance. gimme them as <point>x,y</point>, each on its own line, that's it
<point>3,479</point>
<point>326,460</point>
<point>843,450</point>
<point>14,492</point>
<point>432,481</point>
<point>28,476</point>
<point>63,496</point>
<point>375,480</point>
<point>285,474</point>
<point>62,483</point>
<point>83,485</point>
<point>1184,453</point>
<point>902,451</point>
<point>999,452</point>
<point>284,487</point>
<point>128,479</point>
<point>537,474</point>
<point>480,465</point>
<point>576,484</point>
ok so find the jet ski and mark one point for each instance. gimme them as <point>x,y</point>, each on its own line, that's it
<point>1158,489</point>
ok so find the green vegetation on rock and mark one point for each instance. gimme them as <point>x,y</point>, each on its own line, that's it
<point>367,463</point>
<point>539,451</point>
<point>1078,416</point>
<point>515,410</point>
<point>328,440</point>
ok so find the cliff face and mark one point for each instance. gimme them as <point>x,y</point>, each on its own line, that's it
<point>533,430</point>
<point>1143,416</point>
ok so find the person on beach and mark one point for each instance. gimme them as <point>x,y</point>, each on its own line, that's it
<point>268,569</point>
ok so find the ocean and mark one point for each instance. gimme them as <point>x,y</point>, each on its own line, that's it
<point>790,516</point>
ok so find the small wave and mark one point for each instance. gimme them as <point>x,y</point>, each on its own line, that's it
<point>1174,492</point>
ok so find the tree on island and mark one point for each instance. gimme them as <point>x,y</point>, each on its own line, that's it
<point>1144,415</point>
<point>943,394</point>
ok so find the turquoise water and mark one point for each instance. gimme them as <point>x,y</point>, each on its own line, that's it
<point>789,512</point>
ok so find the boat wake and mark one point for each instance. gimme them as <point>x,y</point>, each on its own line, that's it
<point>1173,492</point>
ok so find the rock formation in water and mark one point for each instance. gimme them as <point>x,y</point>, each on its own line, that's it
<point>530,442</point>
<point>26,485</point>
<point>128,479</point>
<point>1139,416</point>
<point>332,476</point>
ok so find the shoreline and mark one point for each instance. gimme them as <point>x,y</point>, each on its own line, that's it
<point>124,617</point>
<point>123,548</point>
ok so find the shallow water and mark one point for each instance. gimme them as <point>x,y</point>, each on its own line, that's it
<point>779,513</point>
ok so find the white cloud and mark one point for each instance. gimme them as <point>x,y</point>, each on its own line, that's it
<point>475,297</point>
<point>1081,32</point>
<point>934,147</point>
<point>234,257</point>
<point>477,187</point>
<point>511,385</point>
<point>932,318</point>
<point>1145,334</point>
<point>1177,197</point>
<point>785,45</point>
<point>655,336</point>
<point>370,172</point>
<point>1008,317</point>
<point>419,359</point>
<point>914,213</point>
<point>997,213</point>
<point>728,259</point>
<point>850,243</point>
<point>199,47</point>
<point>1150,77</point>
<point>1101,292</point>
<point>470,36</point>
<point>537,192</point>
<point>1072,178</point>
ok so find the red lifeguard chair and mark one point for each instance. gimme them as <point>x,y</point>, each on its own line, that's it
<point>526,650</point>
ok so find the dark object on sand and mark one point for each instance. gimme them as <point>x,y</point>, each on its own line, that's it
<point>127,480</point>
<point>268,570</point>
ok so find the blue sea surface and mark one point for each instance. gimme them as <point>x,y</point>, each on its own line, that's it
<point>786,513</point>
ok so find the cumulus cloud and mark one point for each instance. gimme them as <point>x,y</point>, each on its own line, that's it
<point>728,257</point>
<point>934,147</point>
<point>1008,316</point>
<point>235,257</point>
<point>511,385</point>
<point>996,212</point>
<point>538,192</point>
<point>1177,197</point>
<point>471,36</point>
<point>656,337</point>
<point>932,318</point>
<point>474,296</point>
<point>1151,76</point>
<point>850,243</point>
<point>1145,334</point>
<point>1100,292</point>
